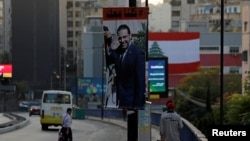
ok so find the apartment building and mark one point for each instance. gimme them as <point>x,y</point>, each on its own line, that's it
<point>35,43</point>
<point>245,41</point>
<point>207,11</point>
<point>181,11</point>
<point>5,26</point>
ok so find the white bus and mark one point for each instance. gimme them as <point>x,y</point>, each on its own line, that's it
<point>54,104</point>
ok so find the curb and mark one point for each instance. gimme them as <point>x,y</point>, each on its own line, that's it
<point>154,129</point>
<point>14,127</point>
<point>107,120</point>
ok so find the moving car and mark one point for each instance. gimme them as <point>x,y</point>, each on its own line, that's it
<point>34,110</point>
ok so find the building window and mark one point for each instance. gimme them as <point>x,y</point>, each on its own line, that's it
<point>70,24</point>
<point>175,2</point>
<point>77,4</point>
<point>190,1</point>
<point>70,14</point>
<point>244,56</point>
<point>235,10</point>
<point>176,13</point>
<point>234,50</point>
<point>76,43</point>
<point>70,44</point>
<point>78,14</point>
<point>78,23</point>
<point>245,26</point>
<point>209,48</point>
<point>175,23</point>
<point>234,70</point>
<point>230,10</point>
<point>77,33</point>
<point>69,34</point>
<point>69,5</point>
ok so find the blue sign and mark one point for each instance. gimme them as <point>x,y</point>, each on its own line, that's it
<point>91,86</point>
<point>157,76</point>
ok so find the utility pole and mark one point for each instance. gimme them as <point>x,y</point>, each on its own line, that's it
<point>221,61</point>
<point>132,123</point>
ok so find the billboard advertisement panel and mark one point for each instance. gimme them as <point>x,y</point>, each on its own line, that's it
<point>88,86</point>
<point>125,57</point>
<point>6,70</point>
<point>158,76</point>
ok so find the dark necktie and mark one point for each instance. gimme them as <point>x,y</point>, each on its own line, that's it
<point>121,57</point>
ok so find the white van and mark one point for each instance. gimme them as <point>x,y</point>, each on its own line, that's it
<point>54,104</point>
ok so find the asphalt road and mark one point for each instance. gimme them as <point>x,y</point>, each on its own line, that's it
<point>83,130</point>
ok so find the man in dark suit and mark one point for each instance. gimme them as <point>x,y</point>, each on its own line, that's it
<point>129,63</point>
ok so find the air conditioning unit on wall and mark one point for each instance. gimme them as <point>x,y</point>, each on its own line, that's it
<point>234,53</point>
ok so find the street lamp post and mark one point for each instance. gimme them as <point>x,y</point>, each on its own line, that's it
<point>51,82</point>
<point>65,76</point>
<point>57,77</point>
<point>76,83</point>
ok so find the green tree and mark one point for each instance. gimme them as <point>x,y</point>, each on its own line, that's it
<point>237,110</point>
<point>232,83</point>
<point>203,87</point>
<point>5,58</point>
<point>200,90</point>
<point>22,87</point>
<point>197,84</point>
<point>140,39</point>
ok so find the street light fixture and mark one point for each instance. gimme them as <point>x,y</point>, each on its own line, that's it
<point>57,76</point>
<point>65,76</point>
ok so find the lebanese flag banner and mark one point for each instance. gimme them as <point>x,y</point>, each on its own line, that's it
<point>181,48</point>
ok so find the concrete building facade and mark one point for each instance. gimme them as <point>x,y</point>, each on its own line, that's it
<point>245,43</point>
<point>5,28</point>
<point>35,43</point>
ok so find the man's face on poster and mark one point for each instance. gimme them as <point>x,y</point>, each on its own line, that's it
<point>124,38</point>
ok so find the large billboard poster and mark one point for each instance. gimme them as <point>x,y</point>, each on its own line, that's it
<point>158,76</point>
<point>6,70</point>
<point>125,57</point>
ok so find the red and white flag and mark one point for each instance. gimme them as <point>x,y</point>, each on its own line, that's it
<point>181,48</point>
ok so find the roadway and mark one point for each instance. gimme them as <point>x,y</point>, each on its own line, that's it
<point>89,129</point>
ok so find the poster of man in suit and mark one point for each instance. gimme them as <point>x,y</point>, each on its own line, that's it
<point>125,40</point>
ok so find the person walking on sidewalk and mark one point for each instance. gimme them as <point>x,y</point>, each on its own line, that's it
<point>66,126</point>
<point>170,124</point>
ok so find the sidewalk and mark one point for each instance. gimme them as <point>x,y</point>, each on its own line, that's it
<point>119,122</point>
<point>4,119</point>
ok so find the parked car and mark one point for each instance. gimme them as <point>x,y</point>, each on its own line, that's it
<point>33,107</point>
<point>24,104</point>
<point>34,110</point>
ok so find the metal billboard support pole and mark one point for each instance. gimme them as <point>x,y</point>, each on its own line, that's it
<point>221,61</point>
<point>132,123</point>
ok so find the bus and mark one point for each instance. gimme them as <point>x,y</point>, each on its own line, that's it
<point>54,104</point>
